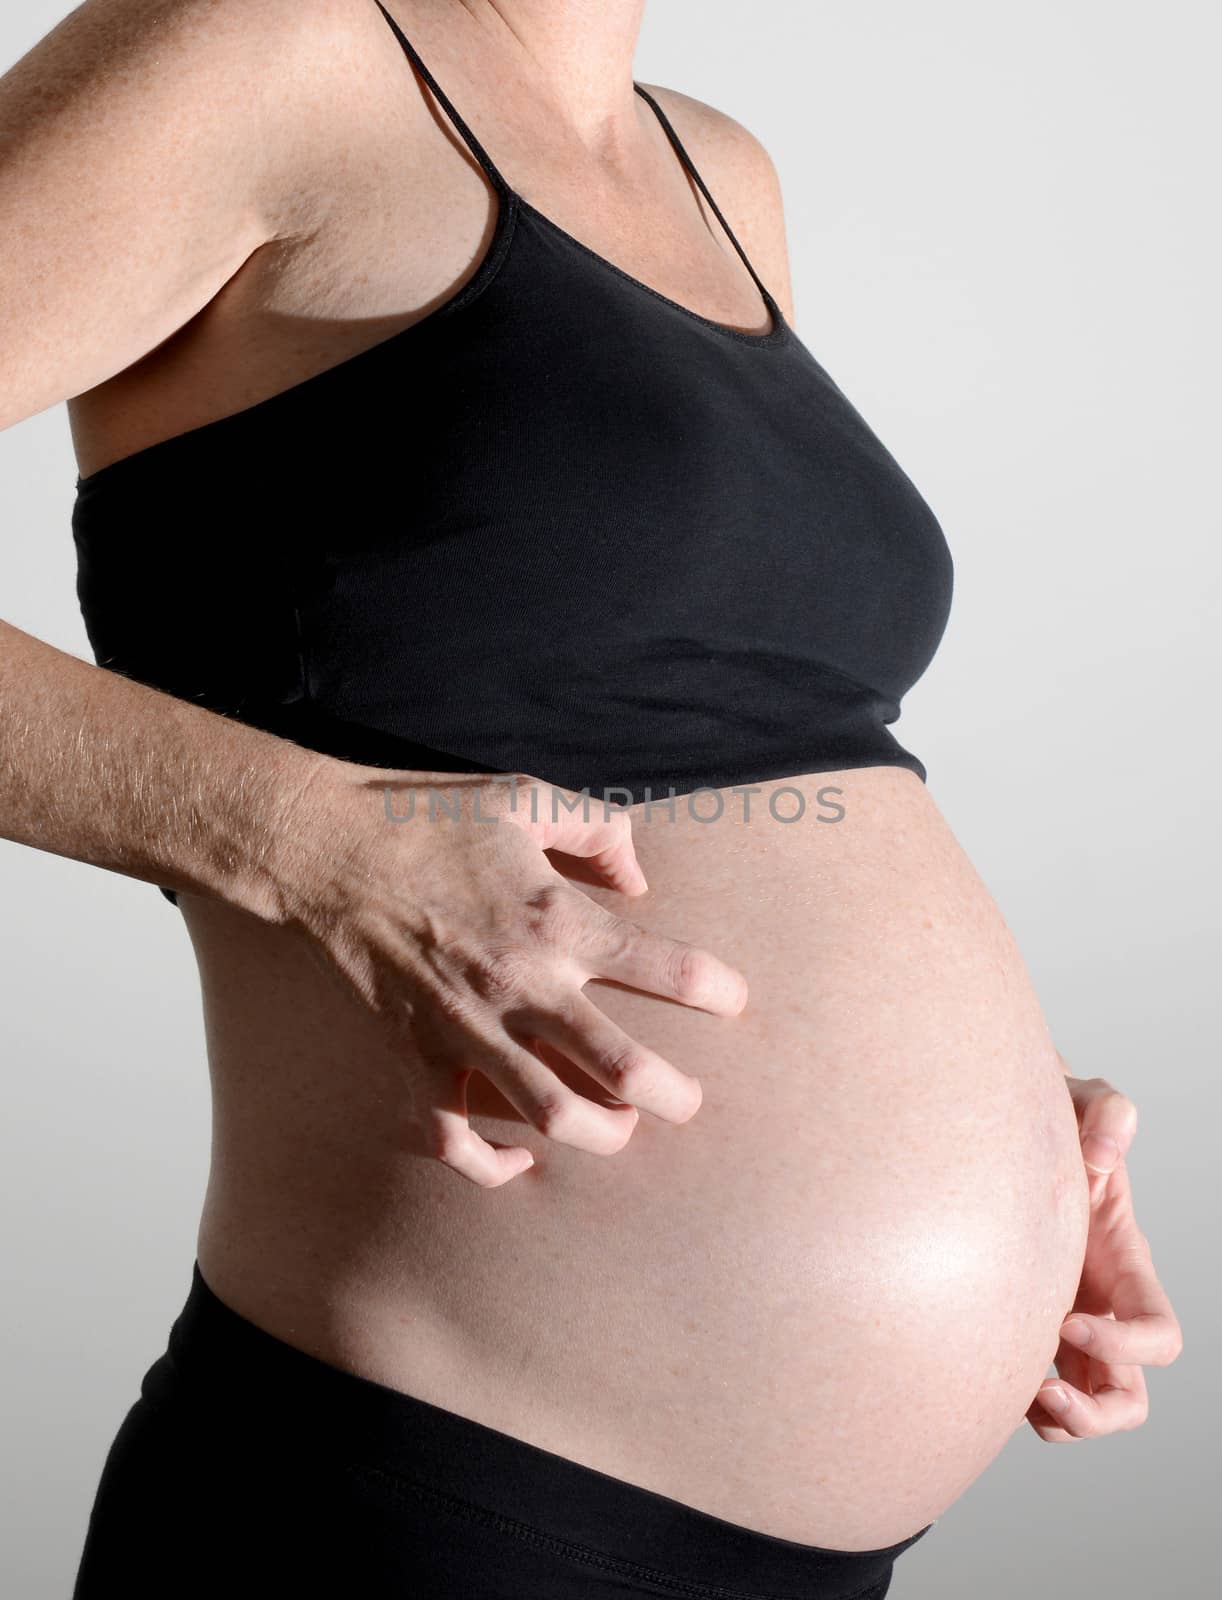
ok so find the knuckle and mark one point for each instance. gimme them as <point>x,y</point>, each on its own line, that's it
<point>689,971</point>
<point>625,1065</point>
<point>450,1144</point>
<point>620,821</point>
<point>1175,1342</point>
<point>1118,1102</point>
<point>553,1116</point>
<point>446,1142</point>
<point>1120,1107</point>
<point>448,1005</point>
<point>499,975</point>
<point>551,917</point>
<point>617,935</point>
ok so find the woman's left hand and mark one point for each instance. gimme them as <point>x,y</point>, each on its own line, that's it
<point>1127,1319</point>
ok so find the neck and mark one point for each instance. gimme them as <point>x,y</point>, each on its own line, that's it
<point>579,52</point>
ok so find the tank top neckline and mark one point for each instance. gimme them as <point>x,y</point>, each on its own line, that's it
<point>776,334</point>
<point>511,205</point>
<point>510,196</point>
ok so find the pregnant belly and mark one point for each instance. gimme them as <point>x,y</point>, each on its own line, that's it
<point>819,1308</point>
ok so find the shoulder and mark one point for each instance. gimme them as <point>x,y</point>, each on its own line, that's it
<point>742,177</point>
<point>107,50</point>
<point>179,57</point>
<point>148,149</point>
<point>269,88</point>
<point>170,31</point>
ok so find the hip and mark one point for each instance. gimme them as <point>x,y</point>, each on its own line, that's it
<point>247,1461</point>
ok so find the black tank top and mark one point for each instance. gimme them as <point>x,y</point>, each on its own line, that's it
<point>561,525</point>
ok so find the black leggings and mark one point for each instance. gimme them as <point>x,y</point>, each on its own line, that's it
<point>248,1467</point>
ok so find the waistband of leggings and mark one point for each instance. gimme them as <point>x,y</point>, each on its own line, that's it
<point>217,1356</point>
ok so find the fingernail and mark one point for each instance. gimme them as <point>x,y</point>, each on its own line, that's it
<point>1054,1400</point>
<point>1100,1152</point>
<point>1076,1331</point>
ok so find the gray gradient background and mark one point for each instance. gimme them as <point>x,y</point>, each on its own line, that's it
<point>1003,242</point>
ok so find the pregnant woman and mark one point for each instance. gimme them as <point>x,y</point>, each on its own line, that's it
<point>640,1164</point>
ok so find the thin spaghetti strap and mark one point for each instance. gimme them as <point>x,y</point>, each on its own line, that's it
<point>704,189</point>
<point>476,148</point>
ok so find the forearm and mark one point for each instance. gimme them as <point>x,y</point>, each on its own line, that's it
<point>104,770</point>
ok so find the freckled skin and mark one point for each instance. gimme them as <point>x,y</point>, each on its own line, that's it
<point>819,1308</point>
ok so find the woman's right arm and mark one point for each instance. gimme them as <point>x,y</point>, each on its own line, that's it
<point>146,152</point>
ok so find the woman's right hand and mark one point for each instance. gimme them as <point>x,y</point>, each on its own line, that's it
<point>463,936</point>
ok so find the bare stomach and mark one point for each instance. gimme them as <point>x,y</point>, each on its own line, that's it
<point>818,1309</point>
